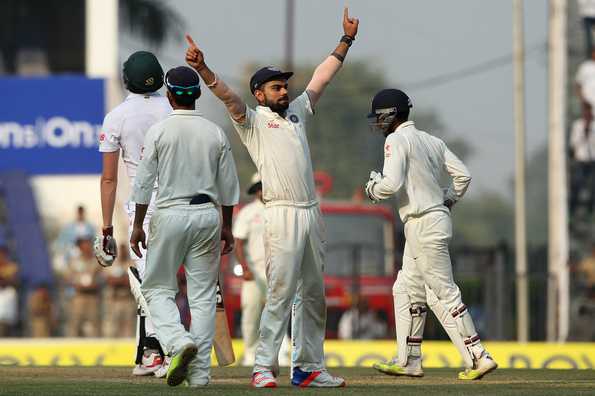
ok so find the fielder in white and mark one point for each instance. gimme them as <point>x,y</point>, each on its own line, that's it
<point>414,163</point>
<point>275,135</point>
<point>248,231</point>
<point>191,157</point>
<point>123,131</point>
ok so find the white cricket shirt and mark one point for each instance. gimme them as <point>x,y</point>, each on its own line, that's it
<point>124,128</point>
<point>414,163</point>
<point>585,77</point>
<point>187,155</point>
<point>249,226</point>
<point>279,148</point>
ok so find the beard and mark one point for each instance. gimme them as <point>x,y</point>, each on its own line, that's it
<point>279,106</point>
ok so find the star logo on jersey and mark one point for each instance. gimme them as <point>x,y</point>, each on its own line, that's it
<point>272,125</point>
<point>387,152</point>
<point>294,118</point>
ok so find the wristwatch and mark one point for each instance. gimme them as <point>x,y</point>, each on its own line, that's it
<point>347,40</point>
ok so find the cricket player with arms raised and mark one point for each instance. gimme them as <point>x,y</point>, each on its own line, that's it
<point>198,188</point>
<point>275,135</point>
<point>414,164</point>
<point>124,130</point>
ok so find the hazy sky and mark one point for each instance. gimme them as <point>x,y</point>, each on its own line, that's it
<point>411,41</point>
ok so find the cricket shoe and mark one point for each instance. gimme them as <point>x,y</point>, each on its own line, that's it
<point>484,365</point>
<point>411,369</point>
<point>263,379</point>
<point>161,372</point>
<point>315,379</point>
<point>150,363</point>
<point>178,367</point>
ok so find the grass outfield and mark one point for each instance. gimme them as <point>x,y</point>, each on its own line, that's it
<point>234,381</point>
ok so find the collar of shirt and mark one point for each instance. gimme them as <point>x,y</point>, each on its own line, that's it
<point>267,110</point>
<point>405,125</point>
<point>185,112</point>
<point>132,95</point>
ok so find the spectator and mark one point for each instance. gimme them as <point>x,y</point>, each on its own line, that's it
<point>585,80</point>
<point>80,228</point>
<point>83,276</point>
<point>582,146</point>
<point>40,318</point>
<point>8,292</point>
<point>360,322</point>
<point>586,9</point>
<point>120,308</point>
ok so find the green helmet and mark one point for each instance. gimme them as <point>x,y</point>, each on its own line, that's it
<point>142,73</point>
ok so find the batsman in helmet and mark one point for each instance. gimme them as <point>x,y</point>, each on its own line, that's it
<point>123,133</point>
<point>414,164</point>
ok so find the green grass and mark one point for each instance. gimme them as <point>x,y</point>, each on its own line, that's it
<point>89,381</point>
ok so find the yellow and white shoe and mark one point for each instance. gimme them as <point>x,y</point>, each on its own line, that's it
<point>412,369</point>
<point>484,365</point>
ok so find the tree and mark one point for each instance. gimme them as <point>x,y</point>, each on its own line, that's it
<point>152,20</point>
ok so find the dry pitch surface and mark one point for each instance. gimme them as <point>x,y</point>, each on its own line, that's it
<point>234,381</point>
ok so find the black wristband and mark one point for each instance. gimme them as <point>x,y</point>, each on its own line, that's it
<point>347,40</point>
<point>340,57</point>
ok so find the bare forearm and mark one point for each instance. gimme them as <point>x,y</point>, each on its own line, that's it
<point>139,215</point>
<point>227,215</point>
<point>240,254</point>
<point>108,199</point>
<point>234,104</point>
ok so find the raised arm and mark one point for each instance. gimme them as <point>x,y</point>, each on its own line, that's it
<point>234,104</point>
<point>324,73</point>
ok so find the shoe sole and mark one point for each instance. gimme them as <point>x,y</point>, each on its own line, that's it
<point>393,374</point>
<point>177,374</point>
<point>269,385</point>
<point>481,375</point>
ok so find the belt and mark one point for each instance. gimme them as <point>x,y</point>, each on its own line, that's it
<point>200,199</point>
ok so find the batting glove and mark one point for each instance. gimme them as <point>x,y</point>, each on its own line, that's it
<point>375,177</point>
<point>105,247</point>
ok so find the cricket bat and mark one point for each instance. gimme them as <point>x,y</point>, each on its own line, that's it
<point>222,340</point>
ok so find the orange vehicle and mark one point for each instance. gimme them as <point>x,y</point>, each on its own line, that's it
<point>361,260</point>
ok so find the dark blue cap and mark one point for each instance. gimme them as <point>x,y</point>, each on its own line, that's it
<point>266,74</point>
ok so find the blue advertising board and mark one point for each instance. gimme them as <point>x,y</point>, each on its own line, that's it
<point>51,125</point>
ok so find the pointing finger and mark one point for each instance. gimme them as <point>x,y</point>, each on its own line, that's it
<point>345,13</point>
<point>190,41</point>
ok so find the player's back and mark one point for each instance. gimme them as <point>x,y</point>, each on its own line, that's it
<point>189,149</point>
<point>422,191</point>
<point>126,126</point>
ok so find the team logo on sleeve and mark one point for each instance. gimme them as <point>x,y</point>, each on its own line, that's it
<point>294,118</point>
<point>387,151</point>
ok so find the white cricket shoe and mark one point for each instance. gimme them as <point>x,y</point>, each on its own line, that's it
<point>263,379</point>
<point>484,365</point>
<point>151,362</point>
<point>161,372</point>
<point>315,379</point>
<point>392,367</point>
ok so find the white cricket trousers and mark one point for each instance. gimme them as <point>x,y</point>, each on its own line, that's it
<point>426,259</point>
<point>188,234</point>
<point>253,299</point>
<point>294,241</point>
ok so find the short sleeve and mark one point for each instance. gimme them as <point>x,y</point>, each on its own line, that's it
<point>241,225</point>
<point>246,128</point>
<point>302,106</point>
<point>109,137</point>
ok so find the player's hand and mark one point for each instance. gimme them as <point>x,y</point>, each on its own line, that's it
<point>105,247</point>
<point>350,25</point>
<point>228,241</point>
<point>138,236</point>
<point>248,275</point>
<point>194,56</point>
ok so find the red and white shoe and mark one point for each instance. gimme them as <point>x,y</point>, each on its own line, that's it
<point>263,379</point>
<point>161,372</point>
<point>151,362</point>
